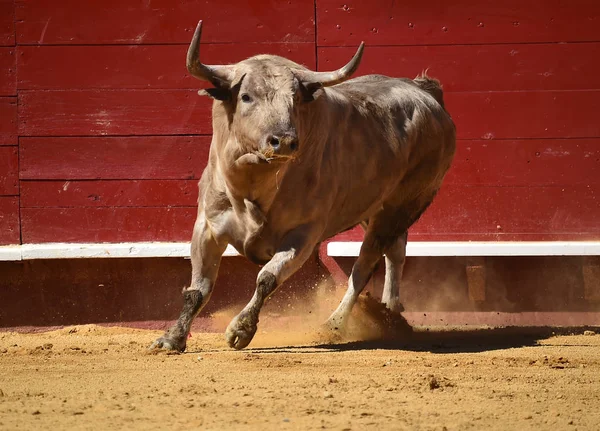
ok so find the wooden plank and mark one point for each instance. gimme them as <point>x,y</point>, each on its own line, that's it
<point>9,171</point>
<point>85,158</point>
<point>507,214</point>
<point>481,115</point>
<point>9,220</point>
<point>8,121</point>
<point>142,66</point>
<point>113,112</point>
<point>388,22</point>
<point>118,193</point>
<point>533,162</point>
<point>530,162</point>
<point>41,225</point>
<point>8,72</point>
<point>570,66</point>
<point>458,213</point>
<point>140,21</point>
<point>525,114</point>
<point>7,23</point>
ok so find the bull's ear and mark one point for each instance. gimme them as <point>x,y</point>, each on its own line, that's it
<point>216,93</point>
<point>309,90</point>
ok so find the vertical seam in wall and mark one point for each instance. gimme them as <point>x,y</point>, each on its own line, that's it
<point>17,125</point>
<point>316,48</point>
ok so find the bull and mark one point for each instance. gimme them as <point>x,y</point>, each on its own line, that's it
<point>298,156</point>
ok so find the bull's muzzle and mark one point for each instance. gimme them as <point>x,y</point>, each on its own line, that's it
<point>283,145</point>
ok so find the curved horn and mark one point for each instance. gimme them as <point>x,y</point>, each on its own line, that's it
<point>219,76</point>
<point>327,79</point>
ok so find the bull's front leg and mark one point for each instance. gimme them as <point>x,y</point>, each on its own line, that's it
<point>286,261</point>
<point>206,255</point>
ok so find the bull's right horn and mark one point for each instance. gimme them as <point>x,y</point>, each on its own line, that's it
<point>327,79</point>
<point>220,76</point>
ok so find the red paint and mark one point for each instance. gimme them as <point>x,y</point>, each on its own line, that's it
<point>525,114</point>
<point>113,137</point>
<point>143,22</point>
<point>8,121</point>
<point>143,66</point>
<point>506,214</point>
<point>113,112</point>
<point>571,66</point>
<point>9,220</point>
<point>7,24</point>
<point>135,157</point>
<point>118,193</point>
<point>481,115</point>
<point>389,22</point>
<point>8,72</point>
<point>9,171</point>
<point>531,162</point>
<point>115,224</point>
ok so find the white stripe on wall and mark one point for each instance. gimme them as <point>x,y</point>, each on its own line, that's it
<point>334,249</point>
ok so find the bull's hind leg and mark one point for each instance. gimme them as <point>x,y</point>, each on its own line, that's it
<point>206,256</point>
<point>394,266</point>
<point>382,231</point>
<point>385,233</point>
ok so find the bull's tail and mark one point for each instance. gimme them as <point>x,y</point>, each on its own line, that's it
<point>430,85</point>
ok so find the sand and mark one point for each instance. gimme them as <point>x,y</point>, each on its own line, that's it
<point>101,378</point>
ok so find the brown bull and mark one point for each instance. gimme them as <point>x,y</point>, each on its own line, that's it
<point>298,156</point>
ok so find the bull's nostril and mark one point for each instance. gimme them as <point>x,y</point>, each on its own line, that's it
<point>294,146</point>
<point>274,141</point>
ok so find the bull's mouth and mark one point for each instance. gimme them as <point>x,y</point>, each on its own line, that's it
<point>269,155</point>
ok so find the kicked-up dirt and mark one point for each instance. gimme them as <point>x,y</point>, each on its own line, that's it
<point>100,378</point>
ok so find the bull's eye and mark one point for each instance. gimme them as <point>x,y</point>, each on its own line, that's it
<point>246,98</point>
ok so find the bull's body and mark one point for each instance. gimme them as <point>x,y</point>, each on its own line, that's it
<point>371,150</point>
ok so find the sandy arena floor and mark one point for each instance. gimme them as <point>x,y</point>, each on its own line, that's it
<point>97,378</point>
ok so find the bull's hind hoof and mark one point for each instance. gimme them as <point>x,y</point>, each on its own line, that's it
<point>167,344</point>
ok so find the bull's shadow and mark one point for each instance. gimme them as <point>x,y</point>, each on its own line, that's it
<point>440,341</point>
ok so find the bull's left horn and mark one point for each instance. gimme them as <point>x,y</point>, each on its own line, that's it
<point>327,79</point>
<point>220,76</point>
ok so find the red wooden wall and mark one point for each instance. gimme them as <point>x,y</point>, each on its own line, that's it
<point>103,138</point>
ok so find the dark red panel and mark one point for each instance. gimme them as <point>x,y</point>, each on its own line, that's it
<point>531,162</point>
<point>525,114</point>
<point>8,121</point>
<point>9,220</point>
<point>481,115</point>
<point>9,171</point>
<point>572,66</point>
<point>106,224</point>
<point>119,193</point>
<point>148,157</point>
<point>142,66</point>
<point>390,22</point>
<point>162,21</point>
<point>7,23</point>
<point>8,72</point>
<point>118,112</point>
<point>507,214</point>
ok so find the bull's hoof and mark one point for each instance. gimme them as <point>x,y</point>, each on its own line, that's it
<point>394,305</point>
<point>166,343</point>
<point>240,332</point>
<point>335,324</point>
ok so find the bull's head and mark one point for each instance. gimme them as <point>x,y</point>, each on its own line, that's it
<point>263,95</point>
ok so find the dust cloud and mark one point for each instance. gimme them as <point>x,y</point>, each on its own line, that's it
<point>299,319</point>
